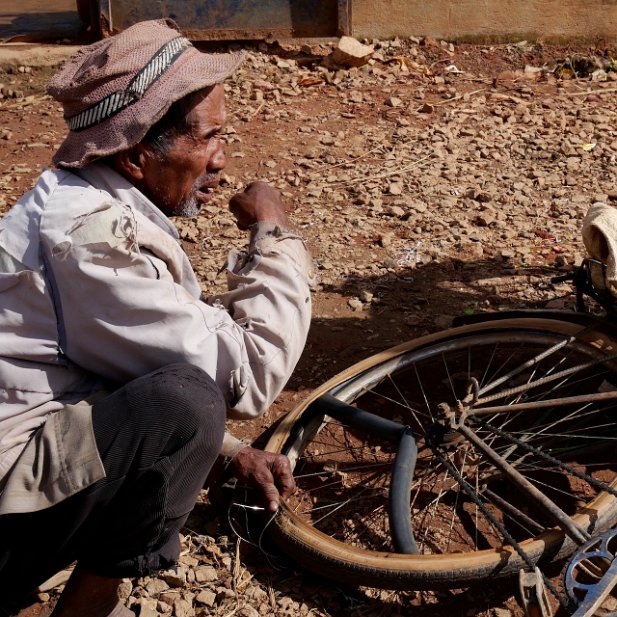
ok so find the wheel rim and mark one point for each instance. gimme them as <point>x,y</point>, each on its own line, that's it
<point>353,511</point>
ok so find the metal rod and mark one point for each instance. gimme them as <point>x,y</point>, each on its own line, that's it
<point>547,379</point>
<point>529,363</point>
<point>578,534</point>
<point>514,512</point>
<point>554,402</point>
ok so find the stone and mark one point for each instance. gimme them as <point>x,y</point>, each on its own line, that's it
<point>485,218</point>
<point>247,611</point>
<point>426,108</point>
<point>396,211</point>
<point>147,607</point>
<point>393,101</point>
<point>355,304</point>
<point>183,608</point>
<point>385,239</point>
<point>156,586</point>
<point>175,578</point>
<point>205,574</point>
<point>350,52</point>
<point>206,597</point>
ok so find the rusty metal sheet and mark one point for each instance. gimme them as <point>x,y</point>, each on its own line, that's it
<point>203,20</point>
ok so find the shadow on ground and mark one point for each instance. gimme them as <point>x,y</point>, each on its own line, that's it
<point>410,303</point>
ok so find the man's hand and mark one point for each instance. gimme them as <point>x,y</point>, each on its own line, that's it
<point>259,202</point>
<point>269,472</point>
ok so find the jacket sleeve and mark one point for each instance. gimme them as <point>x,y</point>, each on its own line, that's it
<point>124,308</point>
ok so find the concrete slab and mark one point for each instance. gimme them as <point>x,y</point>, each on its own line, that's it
<point>28,54</point>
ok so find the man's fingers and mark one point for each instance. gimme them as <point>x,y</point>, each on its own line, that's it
<point>240,207</point>
<point>267,483</point>
<point>278,482</point>
<point>267,471</point>
<point>284,478</point>
<point>272,497</point>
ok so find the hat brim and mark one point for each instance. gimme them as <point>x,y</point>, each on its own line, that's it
<point>191,72</point>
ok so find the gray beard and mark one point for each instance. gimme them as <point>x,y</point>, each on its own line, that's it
<point>189,208</point>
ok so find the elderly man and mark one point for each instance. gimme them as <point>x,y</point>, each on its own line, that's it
<point>116,375</point>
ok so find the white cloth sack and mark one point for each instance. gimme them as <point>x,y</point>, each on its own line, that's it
<point>600,239</point>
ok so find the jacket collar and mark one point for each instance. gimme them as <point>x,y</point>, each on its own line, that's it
<point>104,178</point>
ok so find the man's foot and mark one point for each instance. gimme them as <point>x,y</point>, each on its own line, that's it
<point>92,595</point>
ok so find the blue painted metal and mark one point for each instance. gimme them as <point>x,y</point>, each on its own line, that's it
<point>592,574</point>
<point>235,19</point>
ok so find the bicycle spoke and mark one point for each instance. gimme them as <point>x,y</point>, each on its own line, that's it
<point>501,367</point>
<point>304,476</point>
<point>536,432</point>
<point>428,407</point>
<point>551,487</point>
<point>406,407</point>
<point>406,404</point>
<point>426,525</point>
<point>337,507</point>
<point>332,452</point>
<point>536,428</point>
<point>445,364</point>
<point>476,511</point>
<point>461,471</point>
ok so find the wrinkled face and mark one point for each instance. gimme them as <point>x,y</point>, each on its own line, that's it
<point>182,181</point>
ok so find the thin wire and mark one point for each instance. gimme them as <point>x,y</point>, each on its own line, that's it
<point>411,409</point>
<point>271,557</point>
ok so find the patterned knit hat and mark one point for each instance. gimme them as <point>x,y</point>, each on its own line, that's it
<point>113,91</point>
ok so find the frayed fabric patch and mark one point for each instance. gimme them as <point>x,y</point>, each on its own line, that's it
<point>111,223</point>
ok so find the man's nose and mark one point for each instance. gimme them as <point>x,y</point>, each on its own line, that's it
<point>218,160</point>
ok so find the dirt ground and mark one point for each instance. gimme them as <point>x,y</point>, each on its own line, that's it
<point>435,180</point>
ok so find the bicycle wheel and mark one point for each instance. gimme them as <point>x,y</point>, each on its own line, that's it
<point>469,520</point>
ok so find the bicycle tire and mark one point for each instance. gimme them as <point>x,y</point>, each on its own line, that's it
<point>358,565</point>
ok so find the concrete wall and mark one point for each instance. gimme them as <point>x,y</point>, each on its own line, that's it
<point>549,20</point>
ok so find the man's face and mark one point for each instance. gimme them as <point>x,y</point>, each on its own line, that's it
<point>183,181</point>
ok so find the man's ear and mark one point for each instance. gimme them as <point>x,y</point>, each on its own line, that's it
<point>131,163</point>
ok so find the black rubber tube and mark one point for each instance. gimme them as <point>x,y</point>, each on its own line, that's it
<point>400,495</point>
<point>358,418</point>
<point>404,463</point>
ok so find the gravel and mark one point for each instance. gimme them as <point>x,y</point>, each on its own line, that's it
<point>431,179</point>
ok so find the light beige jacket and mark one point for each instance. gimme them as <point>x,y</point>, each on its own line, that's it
<point>95,288</point>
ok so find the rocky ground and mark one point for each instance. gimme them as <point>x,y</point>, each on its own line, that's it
<point>435,179</point>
